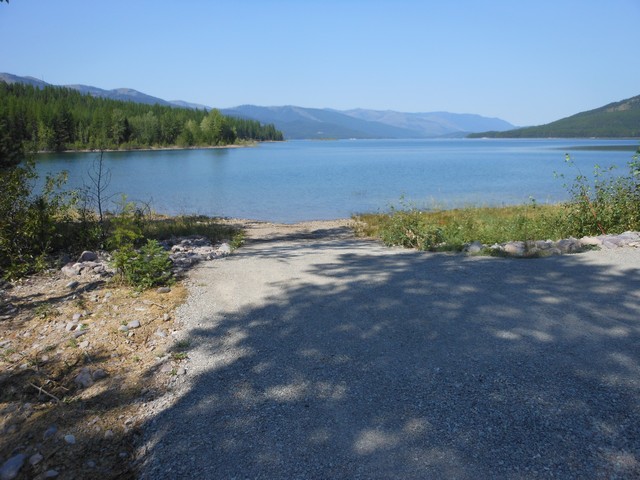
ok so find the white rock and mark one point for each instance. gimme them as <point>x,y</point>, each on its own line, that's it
<point>133,324</point>
<point>514,248</point>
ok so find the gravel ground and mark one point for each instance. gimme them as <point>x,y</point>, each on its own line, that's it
<point>319,355</point>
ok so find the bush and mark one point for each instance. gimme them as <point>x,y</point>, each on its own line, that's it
<point>145,268</point>
<point>31,224</point>
<point>608,204</point>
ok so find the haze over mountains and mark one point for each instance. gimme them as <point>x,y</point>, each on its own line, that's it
<point>299,123</point>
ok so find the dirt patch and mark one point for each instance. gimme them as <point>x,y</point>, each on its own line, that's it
<point>256,231</point>
<point>75,379</point>
<point>78,377</point>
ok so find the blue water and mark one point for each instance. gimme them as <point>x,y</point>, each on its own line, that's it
<point>314,180</point>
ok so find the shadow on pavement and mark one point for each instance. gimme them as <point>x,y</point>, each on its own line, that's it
<point>412,365</point>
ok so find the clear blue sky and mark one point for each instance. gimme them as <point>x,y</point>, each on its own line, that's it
<point>528,62</point>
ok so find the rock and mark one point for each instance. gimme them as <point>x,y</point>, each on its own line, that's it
<point>133,324</point>
<point>569,245</point>
<point>123,328</point>
<point>163,290</point>
<point>108,435</point>
<point>84,344</point>
<point>181,371</point>
<point>76,317</point>
<point>71,326</point>
<point>591,241</point>
<point>166,317</point>
<point>79,333</point>
<point>51,474</point>
<point>224,249</point>
<point>71,270</point>
<point>10,469</point>
<point>88,256</point>
<point>50,432</point>
<point>99,374</point>
<point>160,333</point>
<point>84,379</point>
<point>90,464</point>
<point>473,247</point>
<point>35,459</point>
<point>72,285</point>
<point>515,248</point>
<point>70,439</point>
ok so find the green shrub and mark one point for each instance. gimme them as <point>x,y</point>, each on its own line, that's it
<point>30,227</point>
<point>608,204</point>
<point>148,267</point>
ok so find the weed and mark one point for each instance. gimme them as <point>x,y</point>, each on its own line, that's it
<point>179,355</point>
<point>237,240</point>
<point>182,345</point>
<point>46,310</point>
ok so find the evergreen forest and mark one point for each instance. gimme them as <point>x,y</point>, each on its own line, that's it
<point>58,119</point>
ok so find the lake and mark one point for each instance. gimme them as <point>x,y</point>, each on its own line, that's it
<point>317,180</point>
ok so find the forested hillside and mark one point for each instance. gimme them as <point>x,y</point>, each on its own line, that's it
<point>615,120</point>
<point>57,119</point>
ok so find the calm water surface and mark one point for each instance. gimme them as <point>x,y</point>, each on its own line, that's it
<point>313,180</point>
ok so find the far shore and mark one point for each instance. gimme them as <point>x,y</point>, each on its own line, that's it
<point>153,149</point>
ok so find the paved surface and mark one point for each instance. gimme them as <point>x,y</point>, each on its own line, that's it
<point>327,357</point>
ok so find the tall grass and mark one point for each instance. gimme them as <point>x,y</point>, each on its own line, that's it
<point>604,204</point>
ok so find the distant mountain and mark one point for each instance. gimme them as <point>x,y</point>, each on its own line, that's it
<point>434,124</point>
<point>299,122</point>
<point>123,94</point>
<point>615,120</point>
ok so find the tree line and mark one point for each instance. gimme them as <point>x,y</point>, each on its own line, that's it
<point>59,118</point>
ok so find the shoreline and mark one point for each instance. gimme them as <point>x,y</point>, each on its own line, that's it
<point>159,149</point>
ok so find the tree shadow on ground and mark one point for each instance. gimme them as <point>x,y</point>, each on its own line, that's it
<point>378,363</point>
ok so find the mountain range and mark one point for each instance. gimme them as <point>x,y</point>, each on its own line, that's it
<point>299,122</point>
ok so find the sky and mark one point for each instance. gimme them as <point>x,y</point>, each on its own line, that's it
<point>527,62</point>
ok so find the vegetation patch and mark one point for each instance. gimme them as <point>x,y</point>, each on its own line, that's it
<point>606,203</point>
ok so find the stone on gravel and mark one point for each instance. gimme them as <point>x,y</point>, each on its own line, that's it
<point>163,290</point>
<point>473,247</point>
<point>79,333</point>
<point>99,374</point>
<point>50,432</point>
<point>569,245</point>
<point>50,474</point>
<point>84,378</point>
<point>224,249</point>
<point>71,270</point>
<point>133,324</point>
<point>123,328</point>
<point>70,439</point>
<point>72,285</point>
<point>166,317</point>
<point>108,435</point>
<point>11,467</point>
<point>35,459</point>
<point>515,248</point>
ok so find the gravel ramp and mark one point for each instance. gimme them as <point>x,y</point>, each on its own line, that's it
<point>316,355</point>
